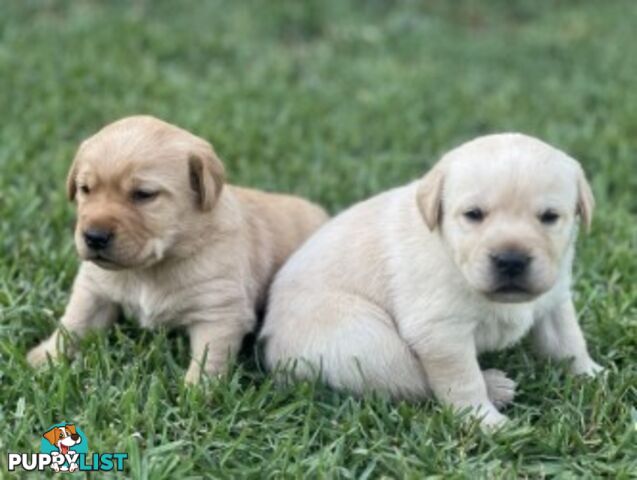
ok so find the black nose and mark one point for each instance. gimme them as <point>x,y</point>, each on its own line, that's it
<point>97,239</point>
<point>510,263</point>
<point>75,437</point>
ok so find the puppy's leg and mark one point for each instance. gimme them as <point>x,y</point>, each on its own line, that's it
<point>212,345</point>
<point>454,376</point>
<point>559,336</point>
<point>85,311</point>
<point>347,341</point>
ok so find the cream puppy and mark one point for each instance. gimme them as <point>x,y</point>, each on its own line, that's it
<point>162,236</point>
<point>401,292</point>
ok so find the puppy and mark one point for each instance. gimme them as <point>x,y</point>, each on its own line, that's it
<point>162,236</point>
<point>401,292</point>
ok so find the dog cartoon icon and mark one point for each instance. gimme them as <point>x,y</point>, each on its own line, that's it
<point>63,438</point>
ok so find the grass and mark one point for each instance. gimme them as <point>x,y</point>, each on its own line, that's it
<point>336,101</point>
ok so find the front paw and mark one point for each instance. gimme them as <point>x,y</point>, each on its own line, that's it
<point>490,418</point>
<point>196,372</point>
<point>586,367</point>
<point>500,388</point>
<point>39,355</point>
<point>193,375</point>
<point>486,414</point>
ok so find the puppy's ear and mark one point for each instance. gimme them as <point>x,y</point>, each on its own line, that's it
<point>585,200</point>
<point>207,176</point>
<point>51,435</point>
<point>71,180</point>
<point>71,177</point>
<point>429,197</point>
<point>71,428</point>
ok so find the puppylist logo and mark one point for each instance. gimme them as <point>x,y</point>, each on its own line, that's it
<point>64,448</point>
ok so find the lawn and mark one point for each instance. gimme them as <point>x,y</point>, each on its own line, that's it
<point>334,100</point>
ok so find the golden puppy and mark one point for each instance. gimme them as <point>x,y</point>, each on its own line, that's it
<point>162,236</point>
<point>401,292</point>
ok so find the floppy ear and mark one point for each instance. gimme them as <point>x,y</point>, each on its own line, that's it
<point>71,428</point>
<point>51,435</point>
<point>206,177</point>
<point>585,200</point>
<point>429,197</point>
<point>71,181</point>
<point>71,177</point>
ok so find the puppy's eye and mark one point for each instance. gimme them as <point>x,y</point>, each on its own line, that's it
<point>84,189</point>
<point>139,195</point>
<point>475,215</point>
<point>549,217</point>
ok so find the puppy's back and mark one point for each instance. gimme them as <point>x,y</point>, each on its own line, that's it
<point>349,252</point>
<point>286,219</point>
<point>276,225</point>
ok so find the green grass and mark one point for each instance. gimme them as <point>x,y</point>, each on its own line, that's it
<point>335,101</point>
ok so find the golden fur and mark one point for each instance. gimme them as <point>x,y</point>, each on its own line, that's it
<point>184,247</point>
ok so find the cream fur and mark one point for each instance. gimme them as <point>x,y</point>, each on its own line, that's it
<point>393,294</point>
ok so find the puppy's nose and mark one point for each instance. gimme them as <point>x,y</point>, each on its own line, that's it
<point>97,238</point>
<point>75,437</point>
<point>510,263</point>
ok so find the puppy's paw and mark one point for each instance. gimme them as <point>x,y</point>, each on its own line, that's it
<point>39,355</point>
<point>488,416</point>
<point>195,372</point>
<point>500,388</point>
<point>193,375</point>
<point>491,419</point>
<point>586,367</point>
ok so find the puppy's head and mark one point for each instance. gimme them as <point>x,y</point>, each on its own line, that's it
<point>506,206</point>
<point>139,183</point>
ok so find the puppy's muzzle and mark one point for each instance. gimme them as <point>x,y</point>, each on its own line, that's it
<point>98,239</point>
